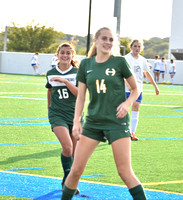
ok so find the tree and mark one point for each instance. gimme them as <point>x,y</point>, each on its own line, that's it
<point>32,38</point>
<point>1,41</point>
<point>126,43</point>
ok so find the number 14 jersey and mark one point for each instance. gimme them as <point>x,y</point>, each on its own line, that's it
<point>105,83</point>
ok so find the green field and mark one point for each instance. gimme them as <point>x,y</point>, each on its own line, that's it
<point>156,158</point>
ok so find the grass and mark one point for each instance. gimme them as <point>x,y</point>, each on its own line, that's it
<point>157,163</point>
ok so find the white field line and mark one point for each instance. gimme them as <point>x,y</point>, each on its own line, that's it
<point>26,83</point>
<point>7,97</point>
<point>163,93</point>
<point>17,93</point>
<point>169,106</point>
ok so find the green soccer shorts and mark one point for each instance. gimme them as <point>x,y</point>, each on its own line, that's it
<point>104,135</point>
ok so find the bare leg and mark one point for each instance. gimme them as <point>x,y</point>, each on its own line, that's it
<point>122,156</point>
<point>84,150</point>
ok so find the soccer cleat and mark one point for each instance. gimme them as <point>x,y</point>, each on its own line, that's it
<point>134,137</point>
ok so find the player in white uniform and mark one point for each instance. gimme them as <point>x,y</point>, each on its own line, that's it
<point>35,63</point>
<point>163,68</point>
<point>139,66</point>
<point>172,70</point>
<point>156,69</point>
<point>54,61</point>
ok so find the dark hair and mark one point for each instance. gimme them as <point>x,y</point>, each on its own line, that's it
<point>172,60</point>
<point>156,57</point>
<point>93,51</point>
<point>132,43</point>
<point>74,63</point>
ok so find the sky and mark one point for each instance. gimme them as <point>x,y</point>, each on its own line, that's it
<point>140,19</point>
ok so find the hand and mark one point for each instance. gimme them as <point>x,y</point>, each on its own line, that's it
<point>122,110</point>
<point>157,91</point>
<point>77,130</point>
<point>62,80</point>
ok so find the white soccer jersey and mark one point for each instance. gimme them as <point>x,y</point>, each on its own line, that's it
<point>138,66</point>
<point>162,65</point>
<point>156,65</point>
<point>172,65</point>
<point>54,60</point>
<point>34,59</point>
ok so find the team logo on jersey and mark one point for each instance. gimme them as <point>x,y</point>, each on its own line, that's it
<point>109,71</point>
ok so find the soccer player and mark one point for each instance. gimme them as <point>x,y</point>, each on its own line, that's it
<point>172,70</point>
<point>62,92</point>
<point>35,63</point>
<point>163,68</point>
<point>156,69</point>
<point>139,66</point>
<point>107,119</point>
<point>54,61</point>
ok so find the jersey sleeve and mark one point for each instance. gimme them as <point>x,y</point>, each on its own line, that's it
<point>145,66</point>
<point>47,84</point>
<point>126,69</point>
<point>81,72</point>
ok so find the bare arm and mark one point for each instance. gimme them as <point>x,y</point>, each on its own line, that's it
<point>70,86</point>
<point>124,107</point>
<point>150,78</point>
<point>49,96</point>
<point>80,102</point>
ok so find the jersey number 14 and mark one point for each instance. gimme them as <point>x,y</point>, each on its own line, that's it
<point>101,86</point>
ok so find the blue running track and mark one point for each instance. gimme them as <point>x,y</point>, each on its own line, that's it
<point>45,188</point>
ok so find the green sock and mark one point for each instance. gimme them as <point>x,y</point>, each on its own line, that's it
<point>67,193</point>
<point>66,164</point>
<point>137,193</point>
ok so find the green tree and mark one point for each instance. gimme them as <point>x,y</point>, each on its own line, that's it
<point>156,46</point>
<point>32,38</point>
<point>126,43</point>
<point>1,41</point>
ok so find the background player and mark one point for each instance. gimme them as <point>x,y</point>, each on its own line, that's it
<point>156,68</point>
<point>107,117</point>
<point>139,66</point>
<point>163,68</point>
<point>62,92</point>
<point>172,70</point>
<point>54,61</point>
<point>35,63</point>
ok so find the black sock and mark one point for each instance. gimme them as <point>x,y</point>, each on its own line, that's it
<point>67,193</point>
<point>66,164</point>
<point>137,193</point>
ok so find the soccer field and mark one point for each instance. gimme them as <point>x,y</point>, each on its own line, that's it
<point>29,147</point>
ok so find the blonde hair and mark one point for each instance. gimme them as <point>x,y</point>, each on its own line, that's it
<point>74,63</point>
<point>93,51</point>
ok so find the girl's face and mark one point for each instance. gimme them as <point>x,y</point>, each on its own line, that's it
<point>65,55</point>
<point>136,48</point>
<point>104,42</point>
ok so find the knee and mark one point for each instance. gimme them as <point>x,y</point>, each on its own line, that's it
<point>67,150</point>
<point>125,173</point>
<point>77,172</point>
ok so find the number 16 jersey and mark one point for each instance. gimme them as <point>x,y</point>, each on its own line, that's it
<point>62,100</point>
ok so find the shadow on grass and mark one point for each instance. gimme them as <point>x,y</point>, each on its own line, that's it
<point>40,155</point>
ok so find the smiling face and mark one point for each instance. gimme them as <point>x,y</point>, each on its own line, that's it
<point>104,42</point>
<point>65,55</point>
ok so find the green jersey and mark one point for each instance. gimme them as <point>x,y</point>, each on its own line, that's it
<point>62,104</point>
<point>105,83</point>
